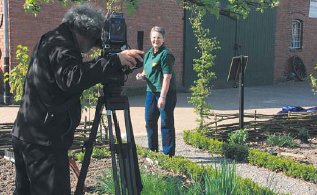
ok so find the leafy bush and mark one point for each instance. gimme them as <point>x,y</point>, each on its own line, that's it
<point>303,135</point>
<point>17,75</point>
<point>97,153</point>
<point>285,165</point>
<point>281,140</point>
<point>236,152</point>
<point>100,153</point>
<point>262,159</point>
<point>203,142</point>
<point>79,156</point>
<point>238,137</point>
<point>198,172</point>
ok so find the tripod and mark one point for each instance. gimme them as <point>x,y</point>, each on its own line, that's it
<point>123,155</point>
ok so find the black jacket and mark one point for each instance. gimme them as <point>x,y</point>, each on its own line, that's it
<point>50,109</point>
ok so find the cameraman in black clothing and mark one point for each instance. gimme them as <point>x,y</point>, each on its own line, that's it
<point>50,109</point>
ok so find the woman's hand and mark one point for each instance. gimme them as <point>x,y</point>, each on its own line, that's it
<point>161,102</point>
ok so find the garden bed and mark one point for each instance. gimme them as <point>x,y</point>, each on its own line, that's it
<point>96,171</point>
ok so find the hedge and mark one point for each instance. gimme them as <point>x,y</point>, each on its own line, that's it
<point>256,157</point>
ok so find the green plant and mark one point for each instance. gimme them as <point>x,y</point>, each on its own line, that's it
<point>202,65</point>
<point>100,153</point>
<point>97,153</point>
<point>285,165</point>
<point>79,156</point>
<point>153,184</point>
<point>197,171</point>
<point>281,140</point>
<point>238,137</point>
<point>303,134</point>
<point>199,140</point>
<point>18,73</point>
<point>313,81</point>
<point>223,181</point>
<point>236,152</point>
<point>259,158</point>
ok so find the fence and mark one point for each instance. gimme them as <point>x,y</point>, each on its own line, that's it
<point>260,125</point>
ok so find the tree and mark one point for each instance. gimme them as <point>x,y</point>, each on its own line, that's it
<point>230,8</point>
<point>202,65</point>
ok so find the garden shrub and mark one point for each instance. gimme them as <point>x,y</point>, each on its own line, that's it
<point>303,135</point>
<point>285,165</point>
<point>281,140</point>
<point>259,158</point>
<point>236,152</point>
<point>97,153</point>
<point>203,142</point>
<point>238,137</point>
<point>198,172</point>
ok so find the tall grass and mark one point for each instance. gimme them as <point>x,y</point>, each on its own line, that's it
<point>153,184</point>
<point>281,140</point>
<point>223,181</point>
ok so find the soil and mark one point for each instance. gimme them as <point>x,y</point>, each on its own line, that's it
<point>96,171</point>
<point>304,152</point>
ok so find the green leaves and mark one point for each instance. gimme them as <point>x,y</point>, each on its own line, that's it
<point>238,137</point>
<point>232,8</point>
<point>34,6</point>
<point>18,73</point>
<point>202,65</point>
<point>313,81</point>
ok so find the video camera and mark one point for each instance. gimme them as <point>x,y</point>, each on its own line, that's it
<point>123,153</point>
<point>114,38</point>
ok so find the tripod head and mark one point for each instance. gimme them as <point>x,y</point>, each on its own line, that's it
<point>113,97</point>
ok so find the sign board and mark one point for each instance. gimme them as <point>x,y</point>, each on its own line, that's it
<point>235,67</point>
<point>313,9</point>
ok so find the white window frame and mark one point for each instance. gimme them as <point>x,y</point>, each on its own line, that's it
<point>297,34</point>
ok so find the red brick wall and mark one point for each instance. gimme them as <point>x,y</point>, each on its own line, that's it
<point>1,48</point>
<point>26,29</point>
<point>288,11</point>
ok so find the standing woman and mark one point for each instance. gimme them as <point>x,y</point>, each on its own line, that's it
<point>160,93</point>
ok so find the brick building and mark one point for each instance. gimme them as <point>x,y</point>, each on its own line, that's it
<point>295,35</point>
<point>269,39</point>
<point>26,29</point>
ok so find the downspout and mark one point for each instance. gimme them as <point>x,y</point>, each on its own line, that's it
<point>6,95</point>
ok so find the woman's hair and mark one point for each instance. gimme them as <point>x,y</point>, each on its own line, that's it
<point>158,29</point>
<point>86,20</point>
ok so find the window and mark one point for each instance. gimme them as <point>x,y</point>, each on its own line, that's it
<point>297,34</point>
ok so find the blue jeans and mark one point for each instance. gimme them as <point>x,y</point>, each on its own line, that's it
<point>152,113</point>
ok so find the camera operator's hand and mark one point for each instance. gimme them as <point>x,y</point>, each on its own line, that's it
<point>129,57</point>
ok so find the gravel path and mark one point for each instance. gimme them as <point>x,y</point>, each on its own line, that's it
<point>277,182</point>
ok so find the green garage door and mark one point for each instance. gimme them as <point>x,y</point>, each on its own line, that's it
<point>255,37</point>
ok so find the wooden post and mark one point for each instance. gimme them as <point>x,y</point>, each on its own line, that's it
<point>216,124</point>
<point>254,120</point>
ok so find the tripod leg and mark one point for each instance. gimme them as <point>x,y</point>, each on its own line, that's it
<point>121,153</point>
<point>133,157</point>
<point>89,144</point>
<point>113,153</point>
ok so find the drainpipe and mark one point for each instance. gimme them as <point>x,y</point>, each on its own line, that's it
<point>6,95</point>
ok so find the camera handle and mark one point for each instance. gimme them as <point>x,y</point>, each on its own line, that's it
<point>123,153</point>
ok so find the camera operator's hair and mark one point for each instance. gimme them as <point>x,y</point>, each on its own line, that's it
<point>159,30</point>
<point>86,20</point>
